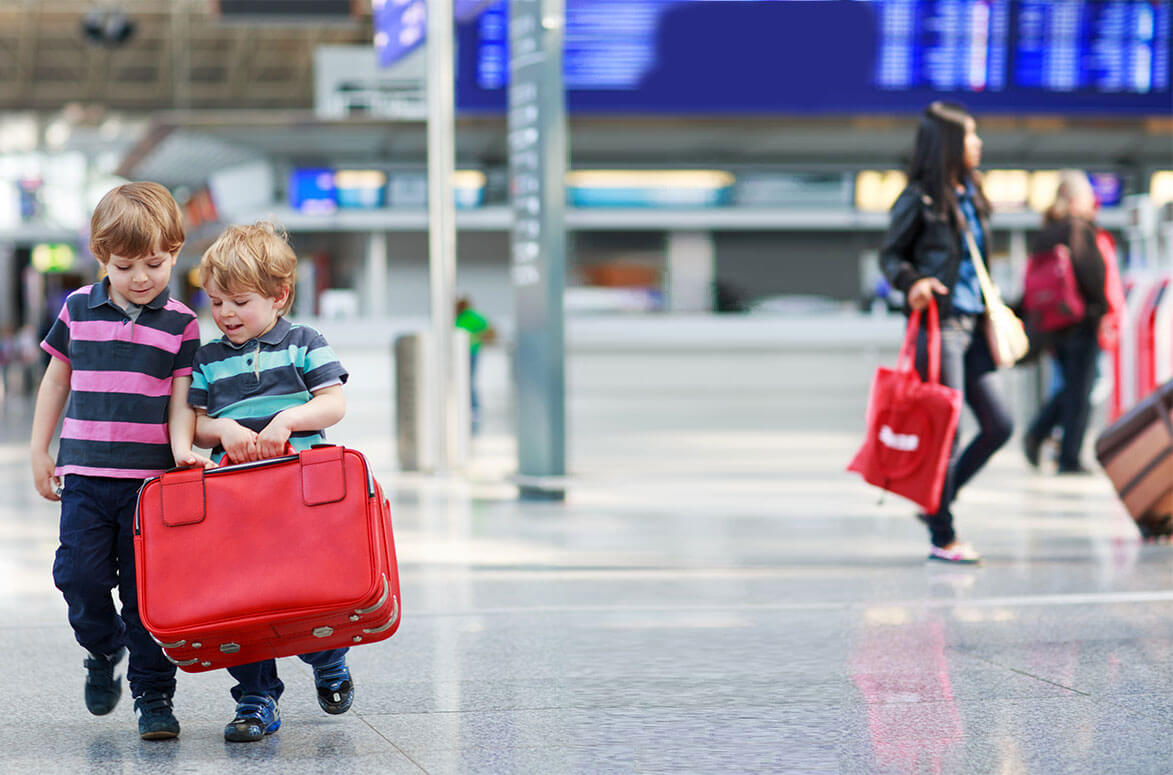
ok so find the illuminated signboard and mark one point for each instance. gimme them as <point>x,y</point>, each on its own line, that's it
<point>842,56</point>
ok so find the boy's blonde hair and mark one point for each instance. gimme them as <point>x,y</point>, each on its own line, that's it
<point>254,258</point>
<point>134,220</point>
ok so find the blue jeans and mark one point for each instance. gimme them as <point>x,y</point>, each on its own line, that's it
<point>260,678</point>
<point>95,556</point>
<point>966,364</point>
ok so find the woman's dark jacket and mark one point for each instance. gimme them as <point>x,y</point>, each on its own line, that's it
<point>922,242</point>
<point>1079,235</point>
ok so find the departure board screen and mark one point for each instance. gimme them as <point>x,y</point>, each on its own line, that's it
<point>842,56</point>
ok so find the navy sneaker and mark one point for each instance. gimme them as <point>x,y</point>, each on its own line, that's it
<point>256,717</point>
<point>103,688</point>
<point>335,689</point>
<point>155,719</point>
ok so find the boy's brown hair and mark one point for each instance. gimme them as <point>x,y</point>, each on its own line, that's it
<point>254,258</point>
<point>136,219</point>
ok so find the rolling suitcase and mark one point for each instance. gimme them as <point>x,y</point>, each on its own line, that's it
<point>1136,451</point>
<point>265,559</point>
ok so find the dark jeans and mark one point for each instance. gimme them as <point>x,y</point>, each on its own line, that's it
<point>97,554</point>
<point>966,364</point>
<point>1077,351</point>
<point>260,678</point>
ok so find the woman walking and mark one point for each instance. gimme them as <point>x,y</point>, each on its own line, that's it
<point>925,254</point>
<point>1070,221</point>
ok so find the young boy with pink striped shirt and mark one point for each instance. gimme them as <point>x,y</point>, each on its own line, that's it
<point>120,369</point>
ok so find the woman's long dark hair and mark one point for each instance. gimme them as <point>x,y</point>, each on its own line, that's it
<point>938,158</point>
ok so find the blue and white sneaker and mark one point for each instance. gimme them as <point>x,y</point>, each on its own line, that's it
<point>335,688</point>
<point>256,717</point>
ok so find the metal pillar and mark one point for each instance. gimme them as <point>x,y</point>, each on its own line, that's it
<point>537,168</point>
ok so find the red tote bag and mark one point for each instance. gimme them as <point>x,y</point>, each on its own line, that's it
<point>910,423</point>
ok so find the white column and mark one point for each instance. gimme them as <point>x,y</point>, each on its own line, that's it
<point>374,291</point>
<point>441,216</point>
<point>691,271</point>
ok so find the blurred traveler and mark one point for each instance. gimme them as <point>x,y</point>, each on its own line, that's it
<point>1070,222</point>
<point>480,331</point>
<point>925,255</point>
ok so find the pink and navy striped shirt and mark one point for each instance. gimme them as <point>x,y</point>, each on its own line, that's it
<point>116,418</point>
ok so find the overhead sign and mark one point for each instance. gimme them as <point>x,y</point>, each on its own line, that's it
<point>872,56</point>
<point>401,25</point>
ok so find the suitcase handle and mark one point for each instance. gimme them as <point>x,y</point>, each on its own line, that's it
<point>322,471</point>
<point>227,461</point>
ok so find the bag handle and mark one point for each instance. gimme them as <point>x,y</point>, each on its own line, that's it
<point>227,461</point>
<point>907,359</point>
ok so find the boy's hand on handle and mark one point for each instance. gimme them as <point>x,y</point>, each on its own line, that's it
<point>273,440</point>
<point>189,458</point>
<point>922,292</point>
<point>240,444</point>
<point>47,484</point>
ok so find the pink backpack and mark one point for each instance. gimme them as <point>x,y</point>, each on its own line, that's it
<point>1050,293</point>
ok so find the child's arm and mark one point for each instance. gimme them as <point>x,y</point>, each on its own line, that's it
<point>181,425</point>
<point>51,398</point>
<point>326,408</point>
<point>239,443</point>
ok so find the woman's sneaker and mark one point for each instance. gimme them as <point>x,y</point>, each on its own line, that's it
<point>256,717</point>
<point>335,688</point>
<point>103,688</point>
<point>155,719</point>
<point>957,552</point>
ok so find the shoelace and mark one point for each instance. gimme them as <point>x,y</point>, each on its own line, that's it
<point>332,675</point>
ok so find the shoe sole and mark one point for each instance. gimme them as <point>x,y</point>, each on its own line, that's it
<point>946,560</point>
<point>100,711</point>
<point>234,738</point>
<point>335,710</point>
<point>165,734</point>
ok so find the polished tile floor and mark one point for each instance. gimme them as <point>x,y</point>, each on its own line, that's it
<point>715,596</point>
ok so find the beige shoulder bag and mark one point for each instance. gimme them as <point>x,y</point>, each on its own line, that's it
<point>1004,331</point>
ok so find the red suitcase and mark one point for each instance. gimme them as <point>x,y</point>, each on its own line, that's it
<point>266,559</point>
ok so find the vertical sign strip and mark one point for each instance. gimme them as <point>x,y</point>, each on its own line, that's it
<point>537,169</point>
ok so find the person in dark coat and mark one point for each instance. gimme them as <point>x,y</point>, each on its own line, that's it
<point>1070,221</point>
<point>925,255</point>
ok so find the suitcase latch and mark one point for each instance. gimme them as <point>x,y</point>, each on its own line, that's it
<point>229,648</point>
<point>323,632</point>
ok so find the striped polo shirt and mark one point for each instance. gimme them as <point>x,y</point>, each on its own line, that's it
<point>251,382</point>
<point>116,418</point>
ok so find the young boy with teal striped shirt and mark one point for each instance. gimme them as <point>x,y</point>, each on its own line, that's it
<point>264,384</point>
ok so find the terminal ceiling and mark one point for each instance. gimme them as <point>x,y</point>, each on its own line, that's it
<point>239,90</point>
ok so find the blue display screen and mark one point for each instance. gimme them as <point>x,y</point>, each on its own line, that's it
<point>842,56</point>
<point>311,190</point>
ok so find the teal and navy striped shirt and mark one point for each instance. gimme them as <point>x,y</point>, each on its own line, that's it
<point>253,381</point>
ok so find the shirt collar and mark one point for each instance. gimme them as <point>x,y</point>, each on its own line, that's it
<point>100,294</point>
<point>273,336</point>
